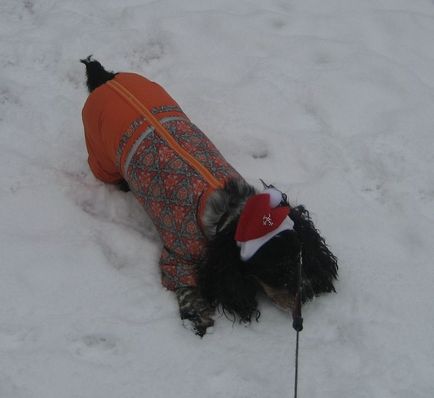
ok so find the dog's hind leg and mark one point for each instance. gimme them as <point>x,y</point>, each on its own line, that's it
<point>96,74</point>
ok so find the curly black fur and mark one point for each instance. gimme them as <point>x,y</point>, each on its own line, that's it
<point>96,74</point>
<point>223,279</point>
<point>320,267</point>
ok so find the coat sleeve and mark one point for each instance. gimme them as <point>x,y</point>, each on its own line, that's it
<point>176,272</point>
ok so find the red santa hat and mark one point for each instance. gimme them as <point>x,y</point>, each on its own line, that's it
<point>261,219</point>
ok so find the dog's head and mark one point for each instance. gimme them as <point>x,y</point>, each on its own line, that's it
<point>276,264</point>
<point>233,283</point>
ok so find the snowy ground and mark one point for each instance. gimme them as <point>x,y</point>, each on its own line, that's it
<point>331,100</point>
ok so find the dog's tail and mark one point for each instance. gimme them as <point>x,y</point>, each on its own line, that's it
<point>96,74</point>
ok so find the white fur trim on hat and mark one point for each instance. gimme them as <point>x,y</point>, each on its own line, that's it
<point>275,196</point>
<point>249,248</point>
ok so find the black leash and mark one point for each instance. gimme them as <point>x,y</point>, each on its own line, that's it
<point>297,321</point>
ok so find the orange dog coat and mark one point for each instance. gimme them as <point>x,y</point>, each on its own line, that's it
<point>135,131</point>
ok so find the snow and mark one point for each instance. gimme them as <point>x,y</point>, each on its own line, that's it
<point>332,101</point>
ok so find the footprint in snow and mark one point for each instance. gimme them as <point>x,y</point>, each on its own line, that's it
<point>260,153</point>
<point>96,347</point>
<point>257,149</point>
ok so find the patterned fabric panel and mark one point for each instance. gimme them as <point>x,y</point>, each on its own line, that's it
<point>126,136</point>
<point>197,144</point>
<point>170,190</point>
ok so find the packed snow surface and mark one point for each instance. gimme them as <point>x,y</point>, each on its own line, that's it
<point>332,101</point>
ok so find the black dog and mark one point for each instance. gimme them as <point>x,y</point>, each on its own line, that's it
<point>252,242</point>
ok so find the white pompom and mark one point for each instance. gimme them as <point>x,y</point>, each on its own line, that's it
<point>275,197</point>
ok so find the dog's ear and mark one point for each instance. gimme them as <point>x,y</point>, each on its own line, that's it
<point>223,281</point>
<point>320,266</point>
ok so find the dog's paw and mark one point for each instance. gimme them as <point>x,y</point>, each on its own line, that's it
<point>195,312</point>
<point>198,327</point>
